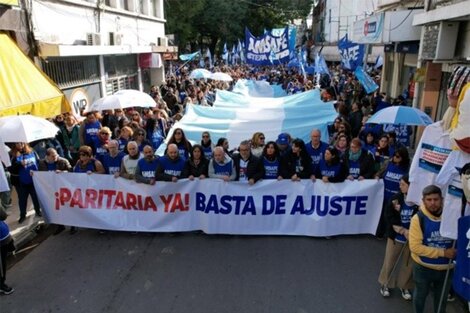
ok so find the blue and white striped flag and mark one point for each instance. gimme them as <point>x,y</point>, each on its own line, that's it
<point>237,116</point>
<point>188,57</point>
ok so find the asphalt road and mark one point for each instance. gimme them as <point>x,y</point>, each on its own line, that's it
<point>121,272</point>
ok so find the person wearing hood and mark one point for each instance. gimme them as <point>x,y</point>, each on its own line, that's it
<point>221,166</point>
<point>171,165</point>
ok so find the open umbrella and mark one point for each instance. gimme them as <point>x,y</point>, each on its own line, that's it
<point>221,76</point>
<point>26,128</point>
<point>122,99</point>
<point>200,73</point>
<point>400,115</point>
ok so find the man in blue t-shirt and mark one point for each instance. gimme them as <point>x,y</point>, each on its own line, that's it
<point>316,149</point>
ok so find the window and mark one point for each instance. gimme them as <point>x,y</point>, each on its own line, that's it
<point>70,72</point>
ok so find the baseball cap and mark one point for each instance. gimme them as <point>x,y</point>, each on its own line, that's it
<point>282,139</point>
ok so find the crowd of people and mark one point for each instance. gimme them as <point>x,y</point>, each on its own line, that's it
<point>123,143</point>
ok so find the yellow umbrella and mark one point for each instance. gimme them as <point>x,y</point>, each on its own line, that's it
<point>24,88</point>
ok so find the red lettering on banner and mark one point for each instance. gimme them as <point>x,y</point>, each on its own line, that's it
<point>132,201</point>
<point>149,204</point>
<point>77,199</point>
<point>110,199</point>
<point>166,202</point>
<point>119,202</point>
<point>90,198</point>
<point>178,203</point>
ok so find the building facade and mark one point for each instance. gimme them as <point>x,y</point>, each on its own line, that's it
<point>94,48</point>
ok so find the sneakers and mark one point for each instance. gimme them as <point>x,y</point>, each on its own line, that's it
<point>384,291</point>
<point>406,294</point>
<point>6,290</point>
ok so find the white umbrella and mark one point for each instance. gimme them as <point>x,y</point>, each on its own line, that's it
<point>122,99</point>
<point>221,76</point>
<point>200,73</point>
<point>26,128</point>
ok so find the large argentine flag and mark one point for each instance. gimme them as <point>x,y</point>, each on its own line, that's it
<point>258,88</point>
<point>237,116</point>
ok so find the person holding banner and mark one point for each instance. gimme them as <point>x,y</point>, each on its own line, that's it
<point>358,160</point>
<point>146,167</point>
<point>431,252</point>
<point>222,166</point>
<point>398,215</point>
<point>332,169</point>
<point>271,161</point>
<point>297,164</point>
<point>247,166</point>
<point>86,163</point>
<point>170,166</point>
<point>316,149</point>
<point>197,166</point>
<point>129,162</point>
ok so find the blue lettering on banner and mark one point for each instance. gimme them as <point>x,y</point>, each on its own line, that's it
<point>276,205</point>
<point>334,206</point>
<point>238,205</point>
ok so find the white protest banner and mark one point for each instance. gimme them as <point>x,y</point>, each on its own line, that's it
<point>266,208</point>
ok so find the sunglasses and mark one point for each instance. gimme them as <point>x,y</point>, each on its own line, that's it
<point>261,138</point>
<point>205,136</point>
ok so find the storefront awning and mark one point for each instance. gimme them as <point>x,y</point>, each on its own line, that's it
<point>24,88</point>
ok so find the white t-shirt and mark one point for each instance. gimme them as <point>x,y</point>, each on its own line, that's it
<point>449,181</point>
<point>431,153</point>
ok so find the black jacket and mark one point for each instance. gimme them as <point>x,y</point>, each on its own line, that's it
<point>288,166</point>
<point>195,170</point>
<point>255,168</point>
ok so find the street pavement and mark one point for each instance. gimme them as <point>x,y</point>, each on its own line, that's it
<point>123,272</point>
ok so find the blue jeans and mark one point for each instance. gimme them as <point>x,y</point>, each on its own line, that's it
<point>426,279</point>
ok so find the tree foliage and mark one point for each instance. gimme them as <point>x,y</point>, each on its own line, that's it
<point>202,23</point>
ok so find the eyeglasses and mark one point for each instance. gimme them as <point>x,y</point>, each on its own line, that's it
<point>205,136</point>
<point>261,138</point>
<point>83,154</point>
<point>140,134</point>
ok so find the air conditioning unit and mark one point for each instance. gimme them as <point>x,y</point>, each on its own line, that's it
<point>93,39</point>
<point>115,39</point>
<point>440,40</point>
<point>163,41</point>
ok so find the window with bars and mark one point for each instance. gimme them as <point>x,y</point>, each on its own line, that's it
<point>122,82</point>
<point>71,72</point>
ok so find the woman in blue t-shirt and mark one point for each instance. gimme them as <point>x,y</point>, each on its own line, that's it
<point>24,161</point>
